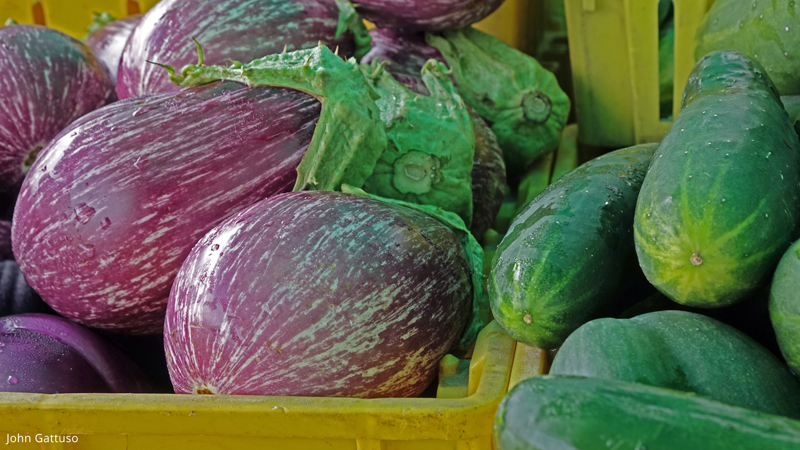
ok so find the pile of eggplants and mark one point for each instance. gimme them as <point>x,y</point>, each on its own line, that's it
<point>171,209</point>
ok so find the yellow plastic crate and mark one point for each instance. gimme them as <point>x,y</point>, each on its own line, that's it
<point>171,421</point>
<point>614,54</point>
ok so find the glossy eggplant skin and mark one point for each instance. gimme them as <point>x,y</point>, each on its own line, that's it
<point>49,354</point>
<point>16,297</point>
<point>108,42</point>
<point>318,293</point>
<point>47,80</point>
<point>240,30</point>
<point>5,240</point>
<point>426,15</point>
<point>116,202</point>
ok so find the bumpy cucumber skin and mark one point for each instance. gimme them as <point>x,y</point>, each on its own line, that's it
<point>551,412</point>
<point>784,305</point>
<point>723,187</point>
<point>565,254</point>
<point>792,105</point>
<point>686,352</point>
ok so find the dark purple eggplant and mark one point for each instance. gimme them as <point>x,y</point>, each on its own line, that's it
<point>488,178</point>
<point>240,30</point>
<point>16,297</point>
<point>5,240</point>
<point>50,355</point>
<point>47,80</point>
<point>116,202</point>
<point>109,38</point>
<point>428,15</point>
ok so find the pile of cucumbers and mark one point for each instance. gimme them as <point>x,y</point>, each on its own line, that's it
<point>706,219</point>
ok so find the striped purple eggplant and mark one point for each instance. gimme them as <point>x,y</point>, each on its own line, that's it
<point>50,355</point>
<point>47,80</point>
<point>318,294</point>
<point>406,53</point>
<point>116,202</point>
<point>429,15</point>
<point>240,30</point>
<point>107,38</point>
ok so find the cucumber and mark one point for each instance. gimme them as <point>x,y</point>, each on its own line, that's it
<point>767,31</point>
<point>550,412</point>
<point>784,305</point>
<point>682,351</point>
<point>720,201</point>
<point>566,253</point>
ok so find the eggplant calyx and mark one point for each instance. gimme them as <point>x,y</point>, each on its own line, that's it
<point>30,157</point>
<point>10,22</point>
<point>431,147</point>
<point>349,136</point>
<point>510,90</point>
<point>536,106</point>
<point>349,20</point>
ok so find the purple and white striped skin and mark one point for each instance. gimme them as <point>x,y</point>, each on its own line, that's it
<point>49,354</point>
<point>406,53</point>
<point>239,30</point>
<point>5,240</point>
<point>318,294</point>
<point>425,15</point>
<point>107,42</point>
<point>47,80</point>
<point>115,203</point>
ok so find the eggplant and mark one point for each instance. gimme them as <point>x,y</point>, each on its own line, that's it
<point>240,30</point>
<point>107,38</point>
<point>418,148</point>
<point>16,297</point>
<point>319,294</point>
<point>428,15</point>
<point>51,355</point>
<point>47,80</point>
<point>519,99</point>
<point>117,201</point>
<point>488,178</point>
<point>5,240</point>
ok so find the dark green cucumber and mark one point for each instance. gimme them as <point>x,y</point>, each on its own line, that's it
<point>767,31</point>
<point>682,351</point>
<point>720,202</point>
<point>551,412</point>
<point>784,305</point>
<point>565,254</point>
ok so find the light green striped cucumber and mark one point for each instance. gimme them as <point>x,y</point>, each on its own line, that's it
<point>720,202</point>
